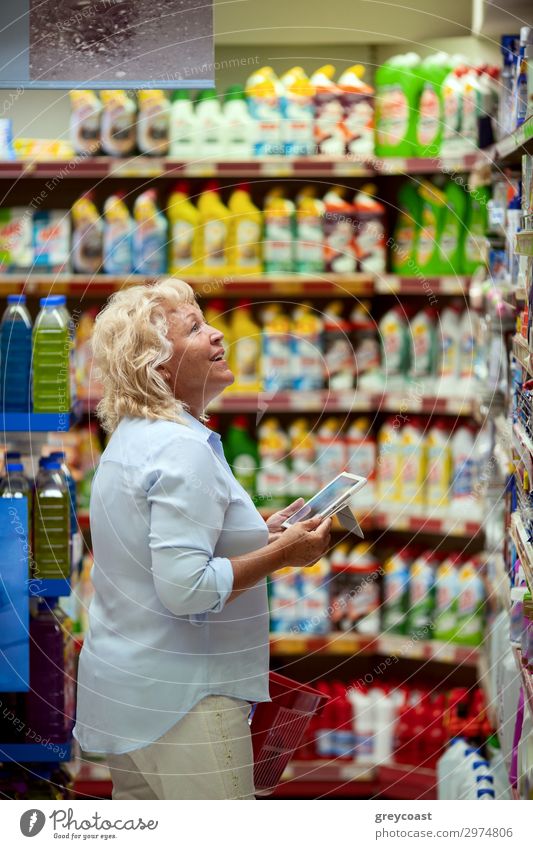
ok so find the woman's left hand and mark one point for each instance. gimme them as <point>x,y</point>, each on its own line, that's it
<point>275,521</point>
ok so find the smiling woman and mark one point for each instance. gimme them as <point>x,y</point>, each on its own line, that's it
<point>178,641</point>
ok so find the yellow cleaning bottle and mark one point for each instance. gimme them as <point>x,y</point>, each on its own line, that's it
<point>245,354</point>
<point>211,246</point>
<point>184,220</point>
<point>244,238</point>
<point>217,315</point>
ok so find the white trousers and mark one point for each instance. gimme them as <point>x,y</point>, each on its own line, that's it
<point>206,755</point>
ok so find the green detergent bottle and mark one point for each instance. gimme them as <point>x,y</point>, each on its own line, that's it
<point>476,225</point>
<point>51,345</point>
<point>452,243</point>
<point>51,522</point>
<point>398,88</point>
<point>430,126</point>
<point>406,231</point>
<point>242,454</point>
<point>428,255</point>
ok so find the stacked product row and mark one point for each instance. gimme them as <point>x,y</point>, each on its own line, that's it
<point>424,595</point>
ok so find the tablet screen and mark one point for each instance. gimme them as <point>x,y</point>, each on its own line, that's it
<point>333,492</point>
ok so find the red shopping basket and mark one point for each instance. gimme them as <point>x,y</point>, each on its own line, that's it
<point>278,727</point>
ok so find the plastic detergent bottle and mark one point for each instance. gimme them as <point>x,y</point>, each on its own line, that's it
<point>15,485</point>
<point>389,462</point>
<point>439,463</point>
<point>476,226</point>
<point>463,468</point>
<point>297,111</point>
<point>433,214</point>
<point>51,522</point>
<point>241,454</point>
<point>150,235</point>
<point>338,351</point>
<point>330,450</point>
<point>211,249</point>
<point>394,332</point>
<point>424,344</point>
<point>446,599</point>
<point>307,351</point>
<point>245,353</point>
<point>433,70</point>
<point>210,126</point>
<point>363,718</point>
<point>467,344</point>
<point>329,112</point>
<point>51,353</point>
<point>217,316</point>
<point>118,123</point>
<point>50,704</point>
<point>304,480</point>
<point>452,244</point>
<point>471,604</point>
<point>85,118</point>
<point>264,92</point>
<point>471,109</point>
<point>452,94</point>
<point>59,456</point>
<point>183,126</point>
<point>450,340</point>
<point>118,234</point>
<point>279,232</point>
<point>309,231</point>
<point>184,220</point>
<point>414,463</point>
<point>273,475</point>
<point>153,122</point>
<point>421,594</point>
<point>398,86</point>
<point>238,125</point>
<point>361,452</point>
<point>340,224</point>
<point>357,99</point>
<point>396,592</point>
<point>370,236</point>
<point>404,249</point>
<point>245,232</point>
<point>15,355</point>
<point>447,767</point>
<point>87,236</point>
<point>276,349</point>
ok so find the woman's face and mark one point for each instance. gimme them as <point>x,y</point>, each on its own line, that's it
<point>197,368</point>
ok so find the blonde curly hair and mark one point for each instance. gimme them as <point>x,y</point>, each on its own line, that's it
<point>129,343</point>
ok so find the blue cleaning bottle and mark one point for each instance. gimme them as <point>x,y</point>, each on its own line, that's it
<point>15,355</point>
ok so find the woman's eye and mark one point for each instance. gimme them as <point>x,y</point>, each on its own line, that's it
<point>195,327</point>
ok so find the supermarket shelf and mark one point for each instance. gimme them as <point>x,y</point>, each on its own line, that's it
<point>42,422</point>
<point>341,401</point>
<point>527,680</point>
<point>396,284</point>
<point>36,752</point>
<point>395,645</point>
<point>49,587</point>
<point>523,547</point>
<point>515,144</point>
<point>522,353</point>
<point>273,166</point>
<point>253,286</point>
<point>524,243</point>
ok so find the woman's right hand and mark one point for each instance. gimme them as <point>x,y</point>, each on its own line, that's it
<point>304,543</point>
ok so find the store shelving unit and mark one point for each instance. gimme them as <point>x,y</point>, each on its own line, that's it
<point>523,547</point>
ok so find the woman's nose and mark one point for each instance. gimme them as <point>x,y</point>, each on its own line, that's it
<point>215,335</point>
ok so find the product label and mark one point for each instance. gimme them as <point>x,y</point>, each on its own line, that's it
<point>463,477</point>
<point>307,363</point>
<point>310,241</point>
<point>358,123</point>
<point>449,355</point>
<point>448,242</point>
<point>426,240</point>
<point>428,116</point>
<point>181,235</point>
<point>393,347</point>
<point>451,113</point>
<point>215,232</point>
<point>277,246</point>
<point>117,248</point>
<point>421,342</point>
<point>362,458</point>
<point>393,115</point>
<point>246,355</point>
<point>276,361</point>
<point>248,243</point>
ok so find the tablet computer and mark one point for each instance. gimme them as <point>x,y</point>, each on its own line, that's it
<point>329,500</point>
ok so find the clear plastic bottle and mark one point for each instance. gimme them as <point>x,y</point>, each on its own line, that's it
<point>51,346</point>
<point>15,355</point>
<point>16,485</point>
<point>51,522</point>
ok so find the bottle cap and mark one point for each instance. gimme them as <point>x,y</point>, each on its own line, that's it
<point>52,301</point>
<point>16,299</point>
<point>14,467</point>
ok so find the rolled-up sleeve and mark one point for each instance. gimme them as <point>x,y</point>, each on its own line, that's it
<point>188,498</point>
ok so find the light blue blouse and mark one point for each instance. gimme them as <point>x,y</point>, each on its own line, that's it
<point>166,514</point>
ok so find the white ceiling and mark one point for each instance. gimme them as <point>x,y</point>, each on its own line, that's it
<point>339,21</point>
